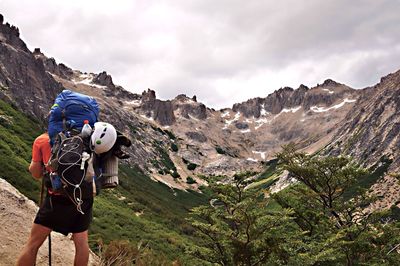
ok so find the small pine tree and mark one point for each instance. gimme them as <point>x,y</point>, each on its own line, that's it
<point>337,229</point>
<point>238,229</point>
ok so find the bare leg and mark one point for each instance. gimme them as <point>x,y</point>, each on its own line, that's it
<point>81,248</point>
<point>37,237</point>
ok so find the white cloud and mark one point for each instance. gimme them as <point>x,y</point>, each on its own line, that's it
<point>222,51</point>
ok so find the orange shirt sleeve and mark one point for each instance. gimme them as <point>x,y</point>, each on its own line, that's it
<point>41,149</point>
<point>36,151</point>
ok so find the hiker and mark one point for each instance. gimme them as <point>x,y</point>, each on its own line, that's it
<point>57,213</point>
<point>75,163</point>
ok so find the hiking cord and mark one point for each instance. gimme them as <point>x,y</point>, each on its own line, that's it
<point>40,204</point>
<point>77,187</point>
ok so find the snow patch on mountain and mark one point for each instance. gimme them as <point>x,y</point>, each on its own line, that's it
<point>261,153</point>
<point>318,109</point>
<point>192,117</point>
<point>88,80</point>
<point>134,102</point>
<point>263,112</point>
<point>225,114</point>
<point>328,90</point>
<point>148,118</point>
<point>291,110</point>
<point>229,122</point>
<point>260,122</point>
<point>285,110</point>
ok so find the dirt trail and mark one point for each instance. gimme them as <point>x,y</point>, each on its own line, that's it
<point>17,213</point>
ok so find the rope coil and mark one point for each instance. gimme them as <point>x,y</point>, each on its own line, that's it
<point>69,150</point>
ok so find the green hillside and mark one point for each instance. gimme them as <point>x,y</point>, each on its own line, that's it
<point>147,212</point>
<point>17,133</point>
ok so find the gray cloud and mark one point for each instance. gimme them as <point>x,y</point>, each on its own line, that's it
<point>222,51</point>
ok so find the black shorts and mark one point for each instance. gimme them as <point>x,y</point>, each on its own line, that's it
<point>60,214</point>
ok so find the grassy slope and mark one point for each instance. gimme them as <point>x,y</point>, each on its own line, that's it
<point>145,211</point>
<point>17,133</point>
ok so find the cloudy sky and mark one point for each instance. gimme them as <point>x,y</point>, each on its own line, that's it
<point>223,51</point>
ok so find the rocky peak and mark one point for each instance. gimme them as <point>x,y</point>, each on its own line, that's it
<point>285,89</point>
<point>182,98</point>
<point>392,78</point>
<point>191,108</point>
<point>10,35</point>
<point>149,95</point>
<point>37,52</point>
<point>330,82</point>
<point>51,65</point>
<point>288,97</point>
<point>103,79</point>
<point>22,74</point>
<point>250,108</point>
<point>303,87</point>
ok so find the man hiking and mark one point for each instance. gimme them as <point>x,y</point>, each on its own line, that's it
<point>57,213</point>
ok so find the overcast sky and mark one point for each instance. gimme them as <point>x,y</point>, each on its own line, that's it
<point>223,51</point>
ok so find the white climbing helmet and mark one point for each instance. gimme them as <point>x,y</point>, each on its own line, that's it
<point>103,137</point>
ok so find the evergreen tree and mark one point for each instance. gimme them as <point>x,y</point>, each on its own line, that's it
<point>238,229</point>
<point>339,229</point>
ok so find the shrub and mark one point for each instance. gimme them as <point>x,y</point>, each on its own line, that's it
<point>174,147</point>
<point>170,134</point>
<point>175,174</point>
<point>191,166</point>
<point>220,150</point>
<point>118,252</point>
<point>190,180</point>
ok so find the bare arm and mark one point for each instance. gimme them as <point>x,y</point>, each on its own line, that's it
<point>36,169</point>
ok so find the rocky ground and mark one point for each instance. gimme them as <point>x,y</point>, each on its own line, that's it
<point>16,217</point>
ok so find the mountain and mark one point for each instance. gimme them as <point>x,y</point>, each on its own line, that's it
<point>370,133</point>
<point>22,75</point>
<point>217,142</point>
<point>182,131</point>
<point>372,128</point>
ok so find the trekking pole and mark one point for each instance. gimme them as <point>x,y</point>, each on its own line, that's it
<point>40,204</point>
<point>50,249</point>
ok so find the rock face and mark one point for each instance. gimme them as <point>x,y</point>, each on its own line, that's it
<point>197,136</point>
<point>166,112</point>
<point>188,107</point>
<point>21,74</point>
<point>104,79</point>
<point>372,128</point>
<point>51,65</point>
<point>286,98</point>
<point>161,111</point>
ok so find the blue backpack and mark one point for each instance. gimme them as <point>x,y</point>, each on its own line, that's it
<point>69,111</point>
<point>70,150</point>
